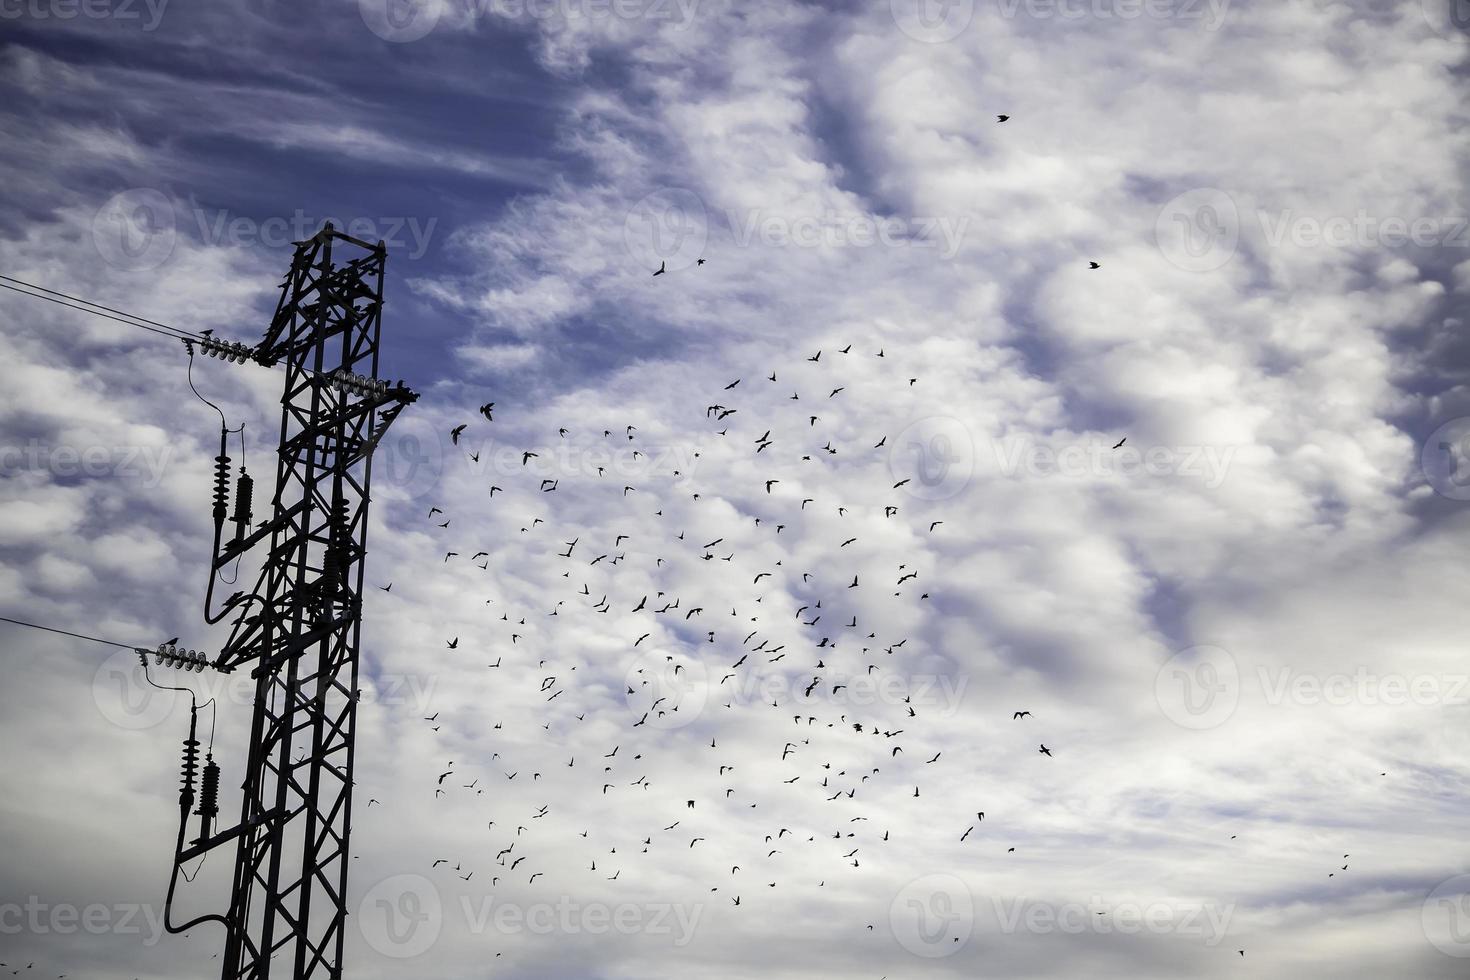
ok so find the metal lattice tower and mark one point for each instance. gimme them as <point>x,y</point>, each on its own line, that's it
<point>300,629</point>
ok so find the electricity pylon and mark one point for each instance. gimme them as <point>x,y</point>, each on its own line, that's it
<point>300,627</point>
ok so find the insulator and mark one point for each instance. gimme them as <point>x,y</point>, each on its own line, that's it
<point>235,352</point>
<point>357,384</point>
<point>189,769</point>
<point>208,796</point>
<point>340,533</point>
<point>244,492</point>
<point>221,488</point>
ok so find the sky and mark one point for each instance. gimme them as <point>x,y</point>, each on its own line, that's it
<point>1237,633</point>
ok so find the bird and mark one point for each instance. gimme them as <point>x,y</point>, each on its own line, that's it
<point>1045,750</point>
<point>1093,265</point>
<point>454,433</point>
<point>662,268</point>
<point>1120,442</point>
<point>1020,714</point>
<point>1002,117</point>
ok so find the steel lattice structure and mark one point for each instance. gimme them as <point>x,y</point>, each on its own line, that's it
<point>300,628</point>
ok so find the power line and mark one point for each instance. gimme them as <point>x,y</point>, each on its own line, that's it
<point>80,636</point>
<point>54,292</point>
<point>130,319</point>
<point>105,316</point>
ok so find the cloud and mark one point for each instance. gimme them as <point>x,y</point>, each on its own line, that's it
<point>1225,629</point>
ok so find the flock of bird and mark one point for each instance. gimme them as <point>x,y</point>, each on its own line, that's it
<point>722,629</point>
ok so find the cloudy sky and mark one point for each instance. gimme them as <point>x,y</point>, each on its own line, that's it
<point>1239,634</point>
